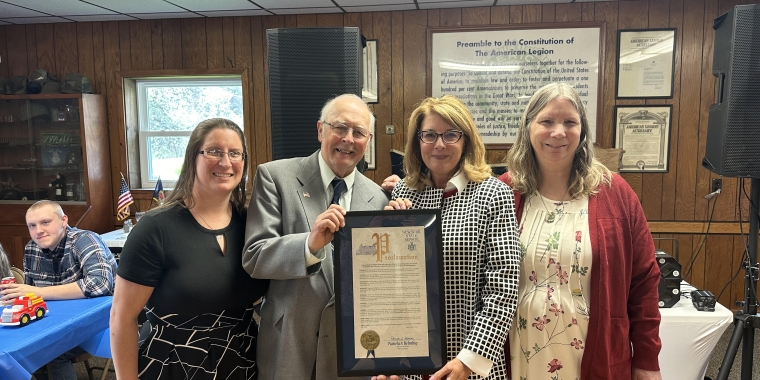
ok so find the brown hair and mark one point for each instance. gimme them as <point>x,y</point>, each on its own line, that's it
<point>455,113</point>
<point>586,173</point>
<point>183,188</point>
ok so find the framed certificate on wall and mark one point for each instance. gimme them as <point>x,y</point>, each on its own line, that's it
<point>646,61</point>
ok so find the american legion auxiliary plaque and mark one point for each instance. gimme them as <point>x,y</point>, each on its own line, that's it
<point>390,305</point>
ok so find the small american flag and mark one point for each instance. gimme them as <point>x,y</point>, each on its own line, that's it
<point>125,199</point>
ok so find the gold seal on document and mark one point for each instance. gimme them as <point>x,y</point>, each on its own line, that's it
<point>370,340</point>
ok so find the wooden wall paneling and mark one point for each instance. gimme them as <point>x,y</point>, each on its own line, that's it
<point>515,14</point>
<point>651,194</point>
<point>415,60</point>
<point>99,64</point>
<point>548,13</point>
<point>290,21</point>
<point>704,176</point>
<point>86,54</point>
<point>397,79</point>
<point>476,16</point>
<point>368,26</point>
<point>3,53</point>
<point>194,43</point>
<point>215,42</point>
<point>66,53</point>
<point>383,110</point>
<point>632,15</point>
<point>669,179</point>
<point>17,58</point>
<point>243,46</point>
<point>353,20</point>
<point>532,13</point>
<point>228,40</point>
<point>306,20</point>
<point>607,12</point>
<point>720,269</point>
<point>140,45</point>
<point>263,149</point>
<point>689,112</point>
<point>330,20</point>
<point>451,17</point>
<point>124,46</point>
<point>31,49</point>
<point>736,287</point>
<point>568,12</point>
<point>117,134</point>
<point>157,44</point>
<point>500,15</point>
<point>587,12</point>
<point>46,49</point>
<point>172,43</point>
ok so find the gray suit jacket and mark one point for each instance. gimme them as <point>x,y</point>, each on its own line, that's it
<point>298,316</point>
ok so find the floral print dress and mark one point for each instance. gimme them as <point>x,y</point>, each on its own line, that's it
<point>548,335</point>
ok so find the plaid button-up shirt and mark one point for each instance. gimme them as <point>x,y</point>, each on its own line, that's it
<point>80,257</point>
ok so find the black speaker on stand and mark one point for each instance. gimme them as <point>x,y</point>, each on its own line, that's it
<point>308,66</point>
<point>732,148</point>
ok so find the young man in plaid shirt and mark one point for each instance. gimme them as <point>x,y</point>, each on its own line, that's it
<point>61,262</point>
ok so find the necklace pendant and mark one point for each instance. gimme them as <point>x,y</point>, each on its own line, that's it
<point>219,237</point>
<point>549,217</point>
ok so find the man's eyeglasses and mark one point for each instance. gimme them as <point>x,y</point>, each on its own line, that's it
<point>449,137</point>
<point>217,155</point>
<point>341,130</point>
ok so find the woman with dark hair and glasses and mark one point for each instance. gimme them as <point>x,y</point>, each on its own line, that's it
<point>445,168</point>
<point>181,264</point>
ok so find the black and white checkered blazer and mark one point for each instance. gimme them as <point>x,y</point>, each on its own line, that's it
<point>481,265</point>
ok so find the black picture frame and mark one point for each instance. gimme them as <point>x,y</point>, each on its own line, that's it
<point>643,132</point>
<point>643,56</point>
<point>348,362</point>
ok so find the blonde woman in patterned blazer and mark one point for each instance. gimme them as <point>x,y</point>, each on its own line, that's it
<point>445,168</point>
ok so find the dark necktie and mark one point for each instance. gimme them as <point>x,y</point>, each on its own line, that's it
<point>339,186</point>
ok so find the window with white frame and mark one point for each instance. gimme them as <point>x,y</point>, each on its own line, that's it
<point>168,111</point>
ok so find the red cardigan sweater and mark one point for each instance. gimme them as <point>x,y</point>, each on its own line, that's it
<point>624,280</point>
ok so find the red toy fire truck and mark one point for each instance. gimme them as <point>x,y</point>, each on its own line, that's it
<point>24,309</point>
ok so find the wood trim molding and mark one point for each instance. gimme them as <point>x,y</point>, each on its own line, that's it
<point>727,228</point>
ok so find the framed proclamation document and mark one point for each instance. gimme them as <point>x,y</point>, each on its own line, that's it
<point>389,296</point>
<point>646,62</point>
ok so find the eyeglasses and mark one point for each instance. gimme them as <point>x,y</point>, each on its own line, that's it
<point>448,137</point>
<point>341,130</point>
<point>217,155</point>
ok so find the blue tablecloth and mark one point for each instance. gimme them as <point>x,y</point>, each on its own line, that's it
<point>70,323</point>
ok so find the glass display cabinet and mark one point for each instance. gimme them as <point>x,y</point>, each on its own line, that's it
<point>53,146</point>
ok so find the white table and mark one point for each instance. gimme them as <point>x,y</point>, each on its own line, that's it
<point>689,337</point>
<point>115,240</point>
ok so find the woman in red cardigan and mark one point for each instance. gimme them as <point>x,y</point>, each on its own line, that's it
<point>588,284</point>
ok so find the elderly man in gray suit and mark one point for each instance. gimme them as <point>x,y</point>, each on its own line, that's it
<point>296,206</point>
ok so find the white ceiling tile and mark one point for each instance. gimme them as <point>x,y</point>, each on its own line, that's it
<point>456,4</point>
<point>517,2</point>
<point>36,20</point>
<point>61,7</point>
<point>382,8</point>
<point>10,10</point>
<point>242,12</point>
<point>281,4</point>
<point>356,3</point>
<point>89,18</point>
<point>149,16</point>
<point>137,6</point>
<point>215,5</point>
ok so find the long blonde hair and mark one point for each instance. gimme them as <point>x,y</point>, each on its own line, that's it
<point>455,113</point>
<point>586,173</point>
